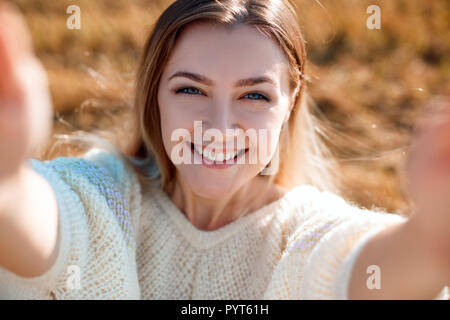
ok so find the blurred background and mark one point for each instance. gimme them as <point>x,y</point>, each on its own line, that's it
<point>369,85</point>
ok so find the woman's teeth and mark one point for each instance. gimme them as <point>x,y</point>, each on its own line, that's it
<point>219,157</point>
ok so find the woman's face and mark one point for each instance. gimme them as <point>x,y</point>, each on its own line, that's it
<point>228,80</point>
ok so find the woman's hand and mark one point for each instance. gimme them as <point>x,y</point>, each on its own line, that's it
<point>428,168</point>
<point>28,207</point>
<point>414,257</point>
<point>25,105</point>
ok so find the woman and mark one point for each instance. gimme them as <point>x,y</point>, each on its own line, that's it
<point>213,224</point>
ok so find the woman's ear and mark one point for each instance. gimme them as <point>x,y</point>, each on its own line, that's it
<point>294,96</point>
<point>286,118</point>
<point>292,101</point>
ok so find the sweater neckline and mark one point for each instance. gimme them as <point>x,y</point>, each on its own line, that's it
<point>204,239</point>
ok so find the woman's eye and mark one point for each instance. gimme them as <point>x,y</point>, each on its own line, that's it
<point>256,96</point>
<point>250,96</point>
<point>188,90</point>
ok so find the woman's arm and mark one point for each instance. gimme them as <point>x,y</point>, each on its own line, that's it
<point>28,209</point>
<point>414,258</point>
<point>28,224</point>
<point>66,225</point>
<point>409,267</point>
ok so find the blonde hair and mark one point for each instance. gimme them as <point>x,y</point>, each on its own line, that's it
<point>303,156</point>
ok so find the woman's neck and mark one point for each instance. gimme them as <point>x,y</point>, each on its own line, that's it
<point>212,214</point>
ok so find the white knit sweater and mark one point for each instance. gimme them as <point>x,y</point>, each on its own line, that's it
<point>122,240</point>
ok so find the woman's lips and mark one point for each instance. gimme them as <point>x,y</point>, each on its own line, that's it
<point>221,160</point>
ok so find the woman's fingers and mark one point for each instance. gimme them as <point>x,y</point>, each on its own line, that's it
<point>429,159</point>
<point>15,46</point>
<point>25,104</point>
<point>429,175</point>
<point>430,154</point>
<point>13,21</point>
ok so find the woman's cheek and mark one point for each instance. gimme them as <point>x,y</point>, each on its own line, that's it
<point>172,133</point>
<point>266,144</point>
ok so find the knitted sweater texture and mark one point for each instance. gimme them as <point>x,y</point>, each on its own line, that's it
<point>123,240</point>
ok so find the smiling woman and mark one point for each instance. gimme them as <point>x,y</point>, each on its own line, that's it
<point>245,74</point>
<point>234,69</point>
<point>217,228</point>
<point>226,76</point>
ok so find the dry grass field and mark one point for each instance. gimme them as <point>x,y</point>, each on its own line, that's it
<point>370,85</point>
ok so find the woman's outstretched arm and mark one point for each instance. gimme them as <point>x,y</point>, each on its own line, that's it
<point>67,226</point>
<point>28,224</point>
<point>406,267</point>
<point>28,208</point>
<point>414,258</point>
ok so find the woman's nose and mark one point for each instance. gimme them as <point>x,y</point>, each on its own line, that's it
<point>220,117</point>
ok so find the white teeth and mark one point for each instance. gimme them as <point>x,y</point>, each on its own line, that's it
<point>219,157</point>
<point>199,151</point>
<point>230,155</point>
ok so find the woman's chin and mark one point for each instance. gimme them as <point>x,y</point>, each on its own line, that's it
<point>211,189</point>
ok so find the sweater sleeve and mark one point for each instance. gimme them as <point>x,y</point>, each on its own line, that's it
<point>322,251</point>
<point>330,264</point>
<point>98,198</point>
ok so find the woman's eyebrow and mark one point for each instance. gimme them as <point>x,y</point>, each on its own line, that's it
<point>240,83</point>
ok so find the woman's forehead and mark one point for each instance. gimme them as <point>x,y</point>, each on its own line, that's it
<point>240,52</point>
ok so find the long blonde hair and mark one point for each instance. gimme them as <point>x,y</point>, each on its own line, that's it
<point>304,159</point>
<point>303,155</point>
